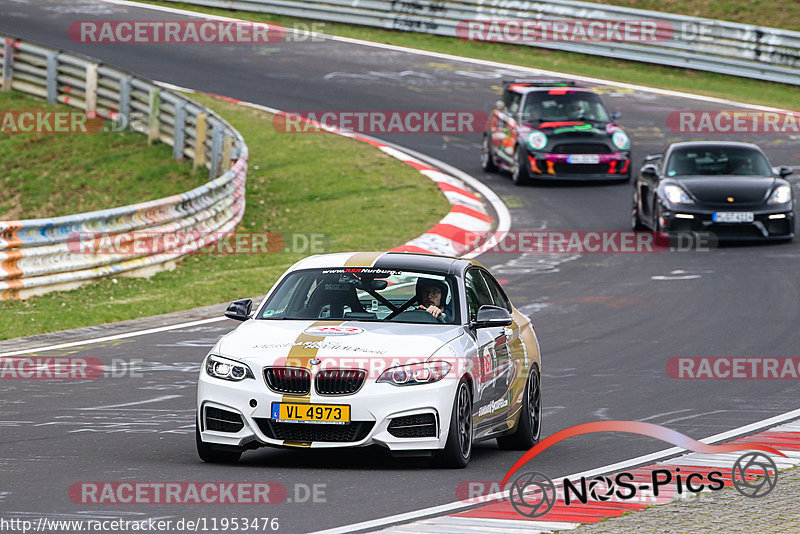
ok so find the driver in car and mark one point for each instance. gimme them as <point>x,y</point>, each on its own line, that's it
<point>430,294</point>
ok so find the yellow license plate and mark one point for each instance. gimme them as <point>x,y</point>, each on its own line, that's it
<point>337,414</point>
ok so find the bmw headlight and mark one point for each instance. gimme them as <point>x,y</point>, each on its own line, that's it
<point>676,195</point>
<point>620,140</point>
<point>226,369</point>
<point>781,195</point>
<point>537,140</point>
<point>415,373</point>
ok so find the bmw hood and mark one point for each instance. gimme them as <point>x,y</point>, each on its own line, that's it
<point>348,344</point>
<point>719,189</point>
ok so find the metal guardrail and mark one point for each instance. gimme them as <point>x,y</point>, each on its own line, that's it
<point>696,43</point>
<point>35,256</point>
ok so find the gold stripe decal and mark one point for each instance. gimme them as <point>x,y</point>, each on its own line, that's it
<point>363,259</point>
<point>300,355</point>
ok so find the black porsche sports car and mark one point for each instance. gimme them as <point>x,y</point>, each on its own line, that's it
<point>727,189</point>
<point>547,129</point>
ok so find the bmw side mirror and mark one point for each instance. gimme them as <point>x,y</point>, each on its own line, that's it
<point>784,171</point>
<point>649,170</point>
<point>616,115</point>
<point>239,310</point>
<point>491,317</point>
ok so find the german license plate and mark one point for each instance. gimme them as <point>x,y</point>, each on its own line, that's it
<point>583,158</point>
<point>733,216</point>
<point>335,414</point>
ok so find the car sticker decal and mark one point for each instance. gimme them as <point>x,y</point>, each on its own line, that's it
<point>300,355</point>
<point>363,259</point>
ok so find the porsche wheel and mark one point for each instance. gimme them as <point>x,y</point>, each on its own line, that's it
<point>636,222</point>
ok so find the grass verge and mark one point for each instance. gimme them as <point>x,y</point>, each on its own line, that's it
<point>771,13</point>
<point>47,174</point>
<point>306,183</point>
<point>702,83</point>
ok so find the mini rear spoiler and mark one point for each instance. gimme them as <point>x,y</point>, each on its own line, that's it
<point>540,83</point>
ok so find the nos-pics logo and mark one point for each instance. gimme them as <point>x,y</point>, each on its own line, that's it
<point>533,494</point>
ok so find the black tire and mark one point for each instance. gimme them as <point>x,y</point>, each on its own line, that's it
<point>636,222</point>
<point>458,448</point>
<point>657,218</point>
<point>215,454</point>
<point>520,173</point>
<point>487,159</point>
<point>529,428</point>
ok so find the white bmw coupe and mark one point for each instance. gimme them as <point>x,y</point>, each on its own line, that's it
<point>418,353</point>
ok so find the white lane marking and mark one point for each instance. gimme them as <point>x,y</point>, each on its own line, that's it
<point>137,403</point>
<point>451,57</point>
<point>640,460</point>
<point>692,416</point>
<point>663,414</point>
<point>111,338</point>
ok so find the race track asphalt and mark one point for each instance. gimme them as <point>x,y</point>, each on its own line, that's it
<point>606,326</point>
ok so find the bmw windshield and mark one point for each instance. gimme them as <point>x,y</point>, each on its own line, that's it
<point>364,294</point>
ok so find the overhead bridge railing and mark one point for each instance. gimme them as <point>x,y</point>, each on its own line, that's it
<point>41,255</point>
<point>675,40</point>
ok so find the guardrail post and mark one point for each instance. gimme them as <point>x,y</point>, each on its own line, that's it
<point>227,145</point>
<point>8,63</point>
<point>125,100</point>
<point>52,77</point>
<point>90,102</point>
<point>216,150</point>
<point>200,140</point>
<point>179,130</point>
<point>153,126</point>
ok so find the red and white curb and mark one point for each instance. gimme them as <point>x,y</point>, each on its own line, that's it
<point>461,231</point>
<point>499,516</point>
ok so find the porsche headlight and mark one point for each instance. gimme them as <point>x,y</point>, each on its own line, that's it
<point>415,373</point>
<point>226,369</point>
<point>537,140</point>
<point>676,195</point>
<point>620,140</point>
<point>781,195</point>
